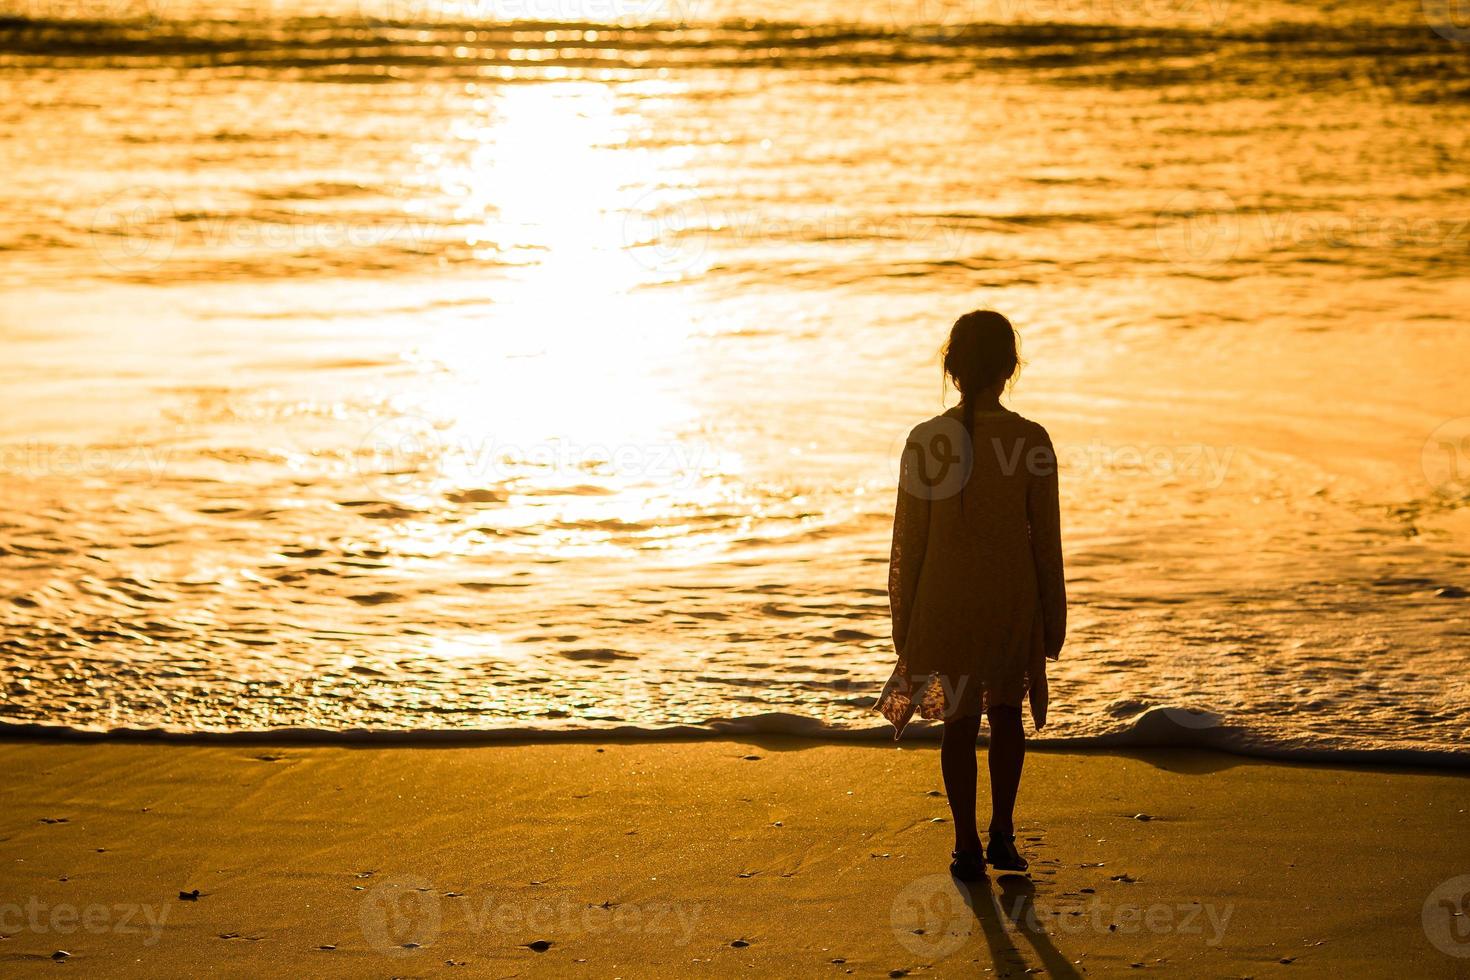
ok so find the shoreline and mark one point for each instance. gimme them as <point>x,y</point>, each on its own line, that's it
<point>1140,741</point>
<point>723,856</point>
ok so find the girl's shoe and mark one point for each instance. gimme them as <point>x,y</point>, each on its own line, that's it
<point>967,865</point>
<point>1002,853</point>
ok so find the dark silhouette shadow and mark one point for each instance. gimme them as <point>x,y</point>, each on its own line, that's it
<point>1015,905</point>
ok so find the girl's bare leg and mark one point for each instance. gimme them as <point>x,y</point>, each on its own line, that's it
<point>1007,756</point>
<point>957,763</point>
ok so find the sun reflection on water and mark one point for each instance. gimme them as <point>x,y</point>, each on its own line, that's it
<point>565,401</point>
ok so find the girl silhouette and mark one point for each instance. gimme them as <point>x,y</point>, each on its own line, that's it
<point>975,584</point>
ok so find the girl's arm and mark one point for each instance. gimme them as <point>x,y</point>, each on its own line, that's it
<point>1043,513</point>
<point>910,538</point>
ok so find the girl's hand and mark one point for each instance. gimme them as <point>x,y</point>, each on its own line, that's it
<point>1040,697</point>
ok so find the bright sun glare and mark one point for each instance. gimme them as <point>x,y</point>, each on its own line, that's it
<point>574,370</point>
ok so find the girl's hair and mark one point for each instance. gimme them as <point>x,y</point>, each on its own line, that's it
<point>980,353</point>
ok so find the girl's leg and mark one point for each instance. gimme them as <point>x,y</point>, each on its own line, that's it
<point>957,762</point>
<point>1007,755</point>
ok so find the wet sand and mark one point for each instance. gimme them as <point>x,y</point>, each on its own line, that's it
<point>768,857</point>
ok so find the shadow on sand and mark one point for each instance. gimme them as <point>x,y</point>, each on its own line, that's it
<point>1015,904</point>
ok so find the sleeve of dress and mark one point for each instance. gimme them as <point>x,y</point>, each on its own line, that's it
<point>1043,515</point>
<point>910,537</point>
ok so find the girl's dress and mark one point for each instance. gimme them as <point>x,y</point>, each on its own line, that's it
<point>975,581</point>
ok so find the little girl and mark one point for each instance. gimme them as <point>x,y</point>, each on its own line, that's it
<point>975,584</point>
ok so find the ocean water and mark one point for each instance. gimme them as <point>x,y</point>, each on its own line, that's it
<point>542,366</point>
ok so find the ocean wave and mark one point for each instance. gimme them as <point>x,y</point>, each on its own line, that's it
<point>1157,728</point>
<point>1090,53</point>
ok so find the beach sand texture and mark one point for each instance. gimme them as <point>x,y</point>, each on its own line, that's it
<point>768,858</point>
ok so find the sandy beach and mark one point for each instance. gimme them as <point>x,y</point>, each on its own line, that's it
<point>769,857</point>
